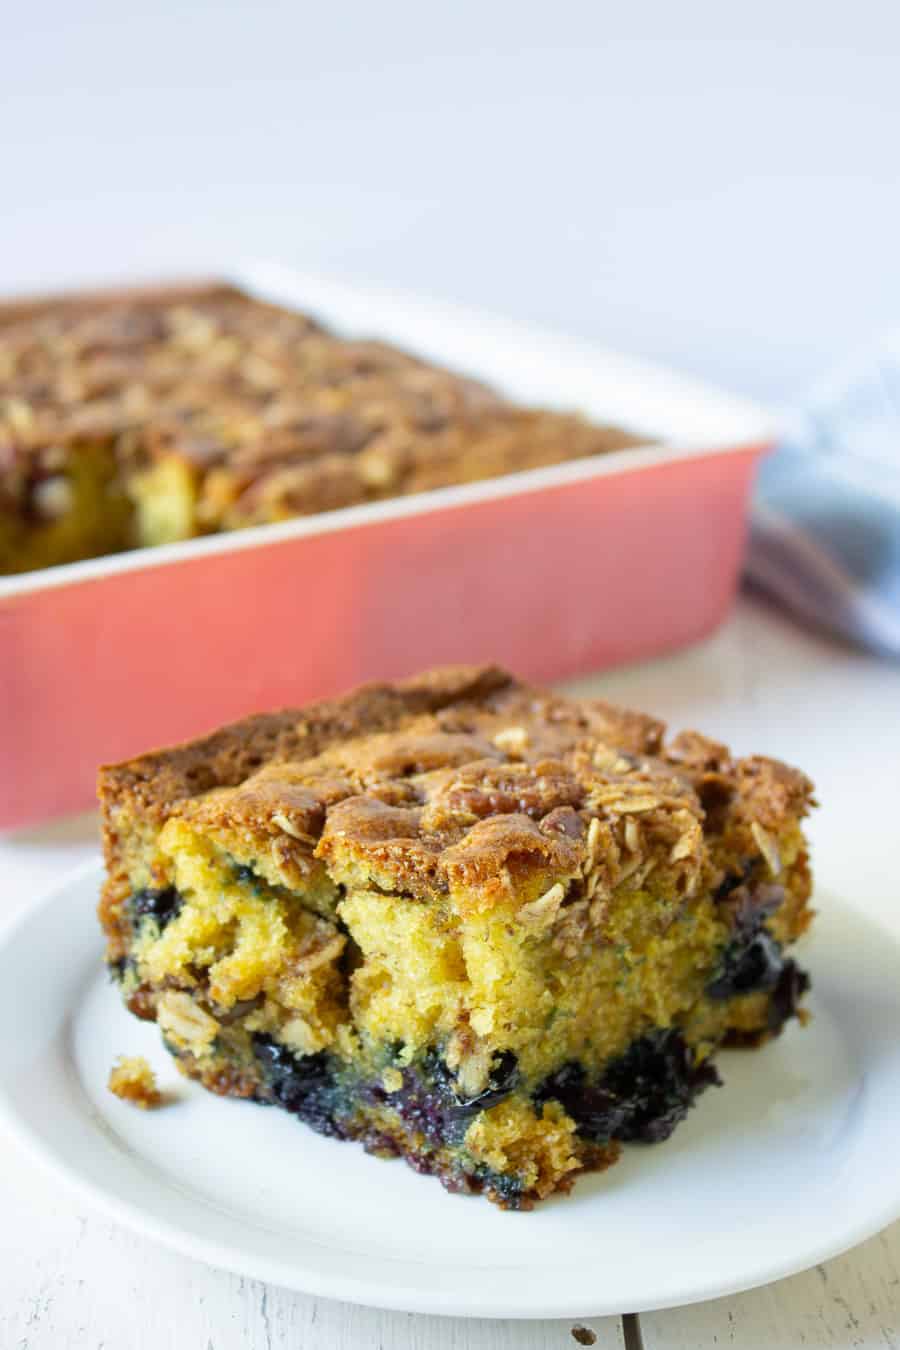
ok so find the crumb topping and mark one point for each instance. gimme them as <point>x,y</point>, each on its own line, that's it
<point>419,789</point>
<point>221,411</point>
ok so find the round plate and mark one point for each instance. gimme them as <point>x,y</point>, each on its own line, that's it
<point>787,1165</point>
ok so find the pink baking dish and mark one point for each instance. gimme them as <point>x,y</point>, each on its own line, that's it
<point>555,572</point>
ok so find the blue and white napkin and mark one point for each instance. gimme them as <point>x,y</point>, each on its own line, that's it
<point>825,531</point>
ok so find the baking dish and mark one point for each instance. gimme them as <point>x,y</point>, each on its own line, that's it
<point>555,571</point>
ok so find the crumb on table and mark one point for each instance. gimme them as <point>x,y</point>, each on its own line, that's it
<point>132,1079</point>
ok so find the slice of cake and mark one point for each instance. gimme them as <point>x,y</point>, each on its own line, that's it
<point>460,919</point>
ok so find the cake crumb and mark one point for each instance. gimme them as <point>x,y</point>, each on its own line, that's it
<point>132,1079</point>
<point>584,1335</point>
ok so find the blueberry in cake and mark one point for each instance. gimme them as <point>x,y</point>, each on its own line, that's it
<point>145,419</point>
<point>460,919</point>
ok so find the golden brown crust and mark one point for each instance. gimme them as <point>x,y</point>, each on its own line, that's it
<point>157,780</point>
<point>464,780</point>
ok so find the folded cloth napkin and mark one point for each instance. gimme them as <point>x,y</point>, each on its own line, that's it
<point>825,529</point>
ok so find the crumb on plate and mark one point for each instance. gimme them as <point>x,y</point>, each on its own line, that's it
<point>132,1079</point>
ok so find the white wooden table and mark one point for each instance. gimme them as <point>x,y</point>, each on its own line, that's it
<point>69,1277</point>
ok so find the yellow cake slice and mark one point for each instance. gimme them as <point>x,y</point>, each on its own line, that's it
<point>461,919</point>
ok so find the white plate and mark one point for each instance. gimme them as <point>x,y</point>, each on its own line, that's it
<point>793,1162</point>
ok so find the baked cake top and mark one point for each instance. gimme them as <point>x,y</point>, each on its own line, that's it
<point>469,782</point>
<point>220,379</point>
<point>209,373</point>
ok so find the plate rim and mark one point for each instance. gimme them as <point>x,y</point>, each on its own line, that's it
<point>351,1288</point>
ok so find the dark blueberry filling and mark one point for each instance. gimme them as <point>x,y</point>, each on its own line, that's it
<point>456,1175</point>
<point>752,960</point>
<point>161,905</point>
<point>745,901</point>
<point>305,1085</point>
<point>641,1096</point>
<point>734,880</point>
<point>245,875</point>
<point>747,967</point>
<point>504,1186</point>
<point>502,1078</point>
<point>793,983</point>
<point>119,968</point>
<point>431,1101</point>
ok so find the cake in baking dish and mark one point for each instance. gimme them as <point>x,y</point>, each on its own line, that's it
<point>130,421</point>
<point>466,921</point>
